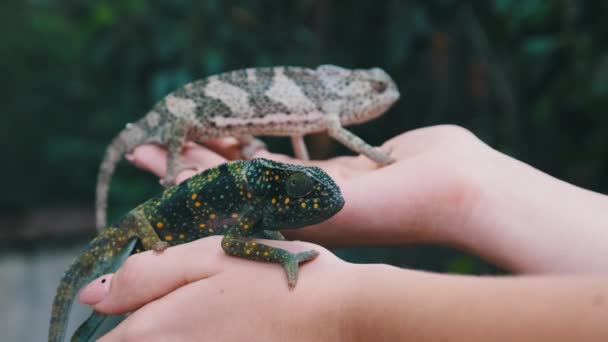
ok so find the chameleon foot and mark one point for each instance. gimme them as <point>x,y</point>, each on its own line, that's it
<point>382,155</point>
<point>170,178</point>
<point>160,246</point>
<point>291,265</point>
<point>250,145</point>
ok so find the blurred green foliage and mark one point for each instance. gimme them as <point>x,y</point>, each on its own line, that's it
<point>529,77</point>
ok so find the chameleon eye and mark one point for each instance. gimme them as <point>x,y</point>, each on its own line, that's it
<point>379,86</point>
<point>298,185</point>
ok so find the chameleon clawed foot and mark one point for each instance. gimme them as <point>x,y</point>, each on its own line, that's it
<point>170,178</point>
<point>291,265</point>
<point>382,155</point>
<point>160,246</point>
<point>250,145</point>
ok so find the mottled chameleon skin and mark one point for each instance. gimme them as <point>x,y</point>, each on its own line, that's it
<point>240,200</point>
<point>274,101</point>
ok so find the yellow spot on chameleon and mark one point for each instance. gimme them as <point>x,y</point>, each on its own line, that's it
<point>316,205</point>
<point>248,251</point>
<point>267,172</point>
<point>202,225</point>
<point>197,204</point>
<point>265,253</point>
<point>286,200</point>
<point>194,196</point>
<point>159,225</point>
<point>245,226</point>
<point>168,237</point>
<point>274,200</point>
<point>303,205</point>
<point>212,216</point>
<point>276,177</point>
<point>249,195</point>
<point>181,236</point>
<point>235,215</point>
<point>253,243</point>
<point>210,230</point>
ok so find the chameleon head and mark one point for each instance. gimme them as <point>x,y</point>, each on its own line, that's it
<point>357,95</point>
<point>292,196</point>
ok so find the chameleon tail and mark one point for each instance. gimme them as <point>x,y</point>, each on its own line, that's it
<point>102,255</point>
<point>134,134</point>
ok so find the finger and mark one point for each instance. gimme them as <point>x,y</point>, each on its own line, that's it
<point>184,175</point>
<point>201,157</point>
<point>148,276</point>
<point>152,158</point>
<point>228,147</point>
<point>151,322</point>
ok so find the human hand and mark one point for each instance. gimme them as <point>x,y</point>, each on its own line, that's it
<point>422,197</point>
<point>195,291</point>
<point>446,187</point>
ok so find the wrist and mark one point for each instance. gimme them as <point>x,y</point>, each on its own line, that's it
<point>380,305</point>
<point>528,221</point>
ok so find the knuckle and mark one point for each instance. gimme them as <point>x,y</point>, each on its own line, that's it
<point>127,273</point>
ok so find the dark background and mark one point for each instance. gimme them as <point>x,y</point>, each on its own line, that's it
<point>530,78</point>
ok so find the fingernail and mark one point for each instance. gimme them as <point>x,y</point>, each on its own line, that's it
<point>96,291</point>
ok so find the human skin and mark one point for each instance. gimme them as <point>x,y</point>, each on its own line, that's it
<point>446,187</point>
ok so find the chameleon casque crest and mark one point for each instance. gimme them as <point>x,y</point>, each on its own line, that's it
<point>273,101</point>
<point>240,200</point>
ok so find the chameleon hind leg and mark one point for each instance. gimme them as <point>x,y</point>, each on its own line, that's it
<point>299,147</point>
<point>353,142</point>
<point>175,145</point>
<point>250,145</point>
<point>245,247</point>
<point>90,327</point>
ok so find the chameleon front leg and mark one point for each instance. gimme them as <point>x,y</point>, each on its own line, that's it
<point>245,247</point>
<point>336,131</point>
<point>299,147</point>
<point>136,223</point>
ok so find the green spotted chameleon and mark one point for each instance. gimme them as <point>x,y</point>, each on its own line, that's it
<point>240,200</point>
<point>273,101</point>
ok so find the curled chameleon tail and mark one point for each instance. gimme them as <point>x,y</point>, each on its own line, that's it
<point>124,142</point>
<point>97,259</point>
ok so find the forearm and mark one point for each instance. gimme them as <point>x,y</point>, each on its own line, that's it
<point>400,305</point>
<point>528,221</point>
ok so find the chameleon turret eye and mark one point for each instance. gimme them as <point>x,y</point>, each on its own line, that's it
<point>379,86</point>
<point>298,185</point>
